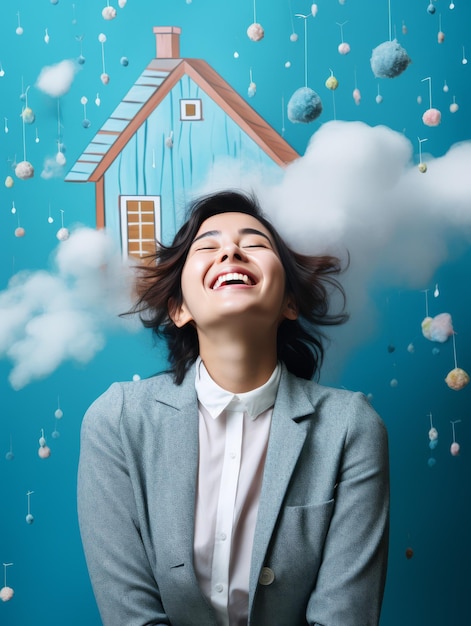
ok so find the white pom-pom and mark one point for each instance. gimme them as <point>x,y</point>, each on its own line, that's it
<point>60,158</point>
<point>24,170</point>
<point>62,234</point>
<point>108,13</point>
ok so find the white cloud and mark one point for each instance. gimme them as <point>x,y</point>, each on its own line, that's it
<point>56,80</point>
<point>47,318</point>
<point>357,188</point>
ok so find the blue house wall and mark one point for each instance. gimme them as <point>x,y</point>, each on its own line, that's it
<point>148,167</point>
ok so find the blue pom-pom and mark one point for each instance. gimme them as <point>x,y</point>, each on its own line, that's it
<point>304,106</point>
<point>389,59</point>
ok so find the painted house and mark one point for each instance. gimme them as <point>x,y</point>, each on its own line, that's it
<point>176,121</point>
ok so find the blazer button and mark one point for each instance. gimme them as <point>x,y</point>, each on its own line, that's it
<point>266,577</point>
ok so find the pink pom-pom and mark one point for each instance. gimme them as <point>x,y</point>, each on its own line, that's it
<point>432,117</point>
<point>437,328</point>
<point>44,452</point>
<point>455,448</point>
<point>343,48</point>
<point>19,232</point>
<point>6,593</point>
<point>255,32</point>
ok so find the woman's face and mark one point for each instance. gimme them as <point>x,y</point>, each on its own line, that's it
<point>233,273</point>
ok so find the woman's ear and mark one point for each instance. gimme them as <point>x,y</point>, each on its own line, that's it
<point>178,313</point>
<point>290,311</point>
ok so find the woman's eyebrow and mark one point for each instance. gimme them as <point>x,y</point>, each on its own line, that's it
<point>253,231</point>
<point>209,233</point>
<point>242,231</point>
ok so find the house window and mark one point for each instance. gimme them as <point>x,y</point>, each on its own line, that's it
<point>140,224</point>
<point>191,110</point>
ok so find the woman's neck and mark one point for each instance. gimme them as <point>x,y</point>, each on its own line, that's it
<point>239,365</point>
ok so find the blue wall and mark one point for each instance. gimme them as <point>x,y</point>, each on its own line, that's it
<point>430,505</point>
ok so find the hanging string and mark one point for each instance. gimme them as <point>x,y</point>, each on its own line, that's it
<point>305,52</point>
<point>454,350</point>
<point>282,115</point>
<point>58,126</point>
<point>24,126</point>
<point>420,155</point>
<point>304,17</point>
<point>24,141</point>
<point>429,89</point>
<point>5,565</point>
<point>453,422</point>
<point>291,17</point>
<point>28,494</point>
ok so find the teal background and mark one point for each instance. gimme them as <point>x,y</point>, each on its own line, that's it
<point>430,505</point>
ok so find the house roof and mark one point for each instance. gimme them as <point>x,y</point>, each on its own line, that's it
<point>151,87</point>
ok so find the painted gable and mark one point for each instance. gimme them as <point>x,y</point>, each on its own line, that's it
<point>159,144</point>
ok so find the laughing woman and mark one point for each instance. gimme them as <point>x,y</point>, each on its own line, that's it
<point>234,490</point>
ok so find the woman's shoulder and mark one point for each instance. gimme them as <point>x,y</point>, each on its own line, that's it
<point>338,404</point>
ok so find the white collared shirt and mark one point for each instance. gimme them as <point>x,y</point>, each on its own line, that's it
<point>233,439</point>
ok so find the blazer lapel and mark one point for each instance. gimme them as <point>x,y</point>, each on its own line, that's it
<point>174,505</point>
<point>178,451</point>
<point>287,436</point>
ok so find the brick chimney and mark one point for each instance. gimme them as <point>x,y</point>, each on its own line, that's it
<point>167,41</point>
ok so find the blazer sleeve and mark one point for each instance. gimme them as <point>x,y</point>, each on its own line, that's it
<point>351,579</point>
<point>122,579</point>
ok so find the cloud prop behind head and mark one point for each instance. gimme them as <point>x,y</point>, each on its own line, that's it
<point>47,318</point>
<point>357,189</point>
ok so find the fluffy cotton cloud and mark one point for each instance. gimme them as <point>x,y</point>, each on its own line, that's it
<point>56,80</point>
<point>47,318</point>
<point>357,189</point>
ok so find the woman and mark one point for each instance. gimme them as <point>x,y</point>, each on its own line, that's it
<point>233,489</point>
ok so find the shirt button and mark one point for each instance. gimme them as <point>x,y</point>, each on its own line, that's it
<point>219,587</point>
<point>222,536</point>
<point>267,576</point>
<point>233,455</point>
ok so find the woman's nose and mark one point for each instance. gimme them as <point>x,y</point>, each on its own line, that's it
<point>232,251</point>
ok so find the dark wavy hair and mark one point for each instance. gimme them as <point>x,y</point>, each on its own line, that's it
<point>309,279</point>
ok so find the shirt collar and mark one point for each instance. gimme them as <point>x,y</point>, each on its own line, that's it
<point>215,399</point>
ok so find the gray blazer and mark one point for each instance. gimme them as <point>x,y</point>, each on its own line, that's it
<point>321,539</point>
